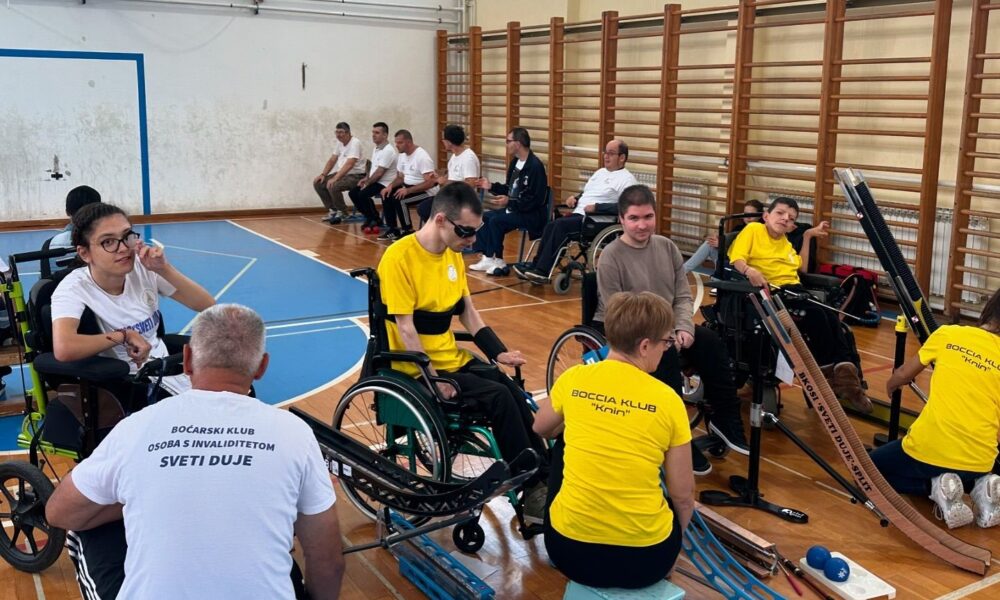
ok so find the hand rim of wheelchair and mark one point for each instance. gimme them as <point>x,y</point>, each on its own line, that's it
<point>432,429</point>
<point>27,514</point>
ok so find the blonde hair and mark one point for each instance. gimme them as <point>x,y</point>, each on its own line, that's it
<point>630,318</point>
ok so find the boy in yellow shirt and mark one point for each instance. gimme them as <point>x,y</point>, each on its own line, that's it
<point>763,254</point>
<point>952,446</point>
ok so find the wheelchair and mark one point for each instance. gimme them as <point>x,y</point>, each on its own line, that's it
<point>739,324</point>
<point>584,344</point>
<point>581,251</point>
<point>406,421</point>
<point>59,420</point>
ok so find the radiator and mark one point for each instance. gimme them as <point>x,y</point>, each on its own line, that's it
<point>939,259</point>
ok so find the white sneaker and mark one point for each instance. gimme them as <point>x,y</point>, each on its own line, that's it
<point>986,500</point>
<point>498,263</point>
<point>485,264</point>
<point>947,492</point>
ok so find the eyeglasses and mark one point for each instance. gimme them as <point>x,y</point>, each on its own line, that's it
<point>669,341</point>
<point>464,231</point>
<point>130,239</point>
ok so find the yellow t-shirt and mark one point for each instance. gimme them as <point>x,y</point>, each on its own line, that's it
<point>957,429</point>
<point>414,279</point>
<point>776,259</point>
<point>619,423</point>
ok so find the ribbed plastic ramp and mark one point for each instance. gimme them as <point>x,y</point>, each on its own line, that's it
<point>899,512</point>
<point>911,298</point>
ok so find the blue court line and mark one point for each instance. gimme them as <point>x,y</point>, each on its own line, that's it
<point>140,75</point>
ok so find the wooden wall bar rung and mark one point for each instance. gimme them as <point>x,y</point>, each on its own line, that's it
<point>922,97</point>
<point>786,63</point>
<point>789,23</point>
<point>714,29</point>
<point>634,69</point>
<point>870,113</point>
<point>885,60</point>
<point>883,132</point>
<point>888,15</point>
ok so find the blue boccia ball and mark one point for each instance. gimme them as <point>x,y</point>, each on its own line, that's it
<point>817,557</point>
<point>837,569</point>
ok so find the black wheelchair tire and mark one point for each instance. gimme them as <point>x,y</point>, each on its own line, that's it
<point>469,537</point>
<point>605,237</point>
<point>437,467</point>
<point>588,336</point>
<point>25,508</point>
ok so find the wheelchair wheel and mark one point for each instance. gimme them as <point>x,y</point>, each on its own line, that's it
<point>388,418</point>
<point>469,536</point>
<point>605,237</point>
<point>471,454</point>
<point>569,349</point>
<point>27,541</point>
<point>562,282</point>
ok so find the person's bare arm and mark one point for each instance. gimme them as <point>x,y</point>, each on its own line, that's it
<point>906,373</point>
<point>548,423</point>
<point>430,180</point>
<point>326,168</point>
<point>319,536</point>
<point>344,170</point>
<point>821,230</point>
<point>188,293</point>
<point>395,183</point>
<point>411,341</point>
<point>67,508</point>
<point>373,178</point>
<point>473,322</point>
<point>680,482</point>
<point>755,276</point>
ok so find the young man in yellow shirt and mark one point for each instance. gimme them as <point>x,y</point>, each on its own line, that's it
<point>763,254</point>
<point>423,285</point>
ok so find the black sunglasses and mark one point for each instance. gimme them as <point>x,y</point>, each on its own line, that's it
<point>464,231</point>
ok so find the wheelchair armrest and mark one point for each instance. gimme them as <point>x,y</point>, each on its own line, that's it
<point>819,280</point>
<point>464,336</point>
<point>452,402</point>
<point>739,286</point>
<point>96,368</point>
<point>419,358</point>
<point>168,365</point>
<point>596,217</point>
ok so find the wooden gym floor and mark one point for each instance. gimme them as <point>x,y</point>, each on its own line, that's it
<point>522,571</point>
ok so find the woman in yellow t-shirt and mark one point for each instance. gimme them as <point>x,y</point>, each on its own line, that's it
<point>608,522</point>
<point>952,446</point>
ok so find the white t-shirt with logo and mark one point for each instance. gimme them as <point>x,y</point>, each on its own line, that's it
<point>463,166</point>
<point>211,483</point>
<point>351,150</point>
<point>413,166</point>
<point>136,308</point>
<point>604,186</point>
<point>384,157</point>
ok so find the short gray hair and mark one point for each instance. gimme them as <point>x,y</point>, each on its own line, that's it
<point>227,336</point>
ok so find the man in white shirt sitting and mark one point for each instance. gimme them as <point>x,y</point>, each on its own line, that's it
<point>415,182</point>
<point>603,187</point>
<point>381,174</point>
<point>212,485</point>
<point>463,165</point>
<point>342,171</point>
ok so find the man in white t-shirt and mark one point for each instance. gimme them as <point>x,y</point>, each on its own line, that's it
<point>212,485</point>
<point>380,174</point>
<point>603,188</point>
<point>342,171</point>
<point>415,182</point>
<point>463,165</point>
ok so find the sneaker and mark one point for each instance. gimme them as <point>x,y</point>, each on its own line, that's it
<point>389,235</point>
<point>521,270</point>
<point>847,385</point>
<point>484,264</point>
<point>947,492</point>
<point>334,219</point>
<point>496,267</point>
<point>533,504</point>
<point>329,216</point>
<point>986,500</point>
<point>536,276</point>
<point>729,428</point>
<point>699,464</point>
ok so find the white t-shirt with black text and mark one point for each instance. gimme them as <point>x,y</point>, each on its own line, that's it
<point>384,157</point>
<point>211,483</point>
<point>463,166</point>
<point>413,166</point>
<point>604,186</point>
<point>345,152</point>
<point>136,308</point>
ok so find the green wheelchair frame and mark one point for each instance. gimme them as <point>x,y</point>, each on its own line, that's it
<point>411,424</point>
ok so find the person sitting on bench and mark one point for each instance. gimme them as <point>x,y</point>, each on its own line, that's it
<point>952,446</point>
<point>609,523</point>
<point>763,254</point>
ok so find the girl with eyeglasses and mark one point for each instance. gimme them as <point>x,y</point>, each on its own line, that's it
<point>120,281</point>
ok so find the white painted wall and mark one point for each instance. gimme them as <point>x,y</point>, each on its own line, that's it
<point>230,126</point>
